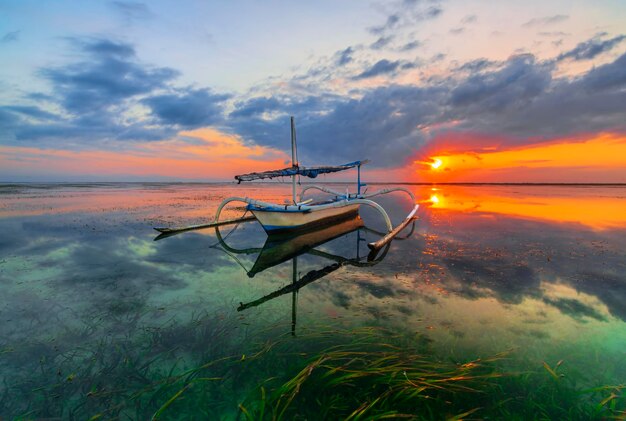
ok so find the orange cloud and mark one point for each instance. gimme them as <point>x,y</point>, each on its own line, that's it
<point>600,159</point>
<point>214,156</point>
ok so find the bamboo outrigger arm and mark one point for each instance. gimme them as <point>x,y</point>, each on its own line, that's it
<point>320,188</point>
<point>385,191</point>
<point>356,195</point>
<point>377,245</point>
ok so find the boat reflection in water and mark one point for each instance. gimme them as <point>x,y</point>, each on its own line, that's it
<point>280,248</point>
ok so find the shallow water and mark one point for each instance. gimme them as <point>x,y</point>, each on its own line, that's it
<point>92,306</point>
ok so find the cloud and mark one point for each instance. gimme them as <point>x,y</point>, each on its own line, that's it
<point>405,14</point>
<point>410,46</point>
<point>108,94</point>
<point>574,308</point>
<point>256,107</point>
<point>430,13</point>
<point>95,99</point>
<point>381,42</point>
<point>10,37</point>
<point>591,48</point>
<point>381,67</point>
<point>132,10</point>
<point>108,75</point>
<point>341,129</point>
<point>390,23</point>
<point>524,103</point>
<point>520,80</point>
<point>30,111</point>
<point>457,31</point>
<point>344,57</point>
<point>189,108</point>
<point>553,34</point>
<point>477,65</point>
<point>548,20</point>
<point>469,19</point>
<point>503,103</point>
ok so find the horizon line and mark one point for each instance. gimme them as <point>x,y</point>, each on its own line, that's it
<point>461,183</point>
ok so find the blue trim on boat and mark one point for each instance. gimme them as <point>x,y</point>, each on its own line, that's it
<point>280,227</point>
<point>276,209</point>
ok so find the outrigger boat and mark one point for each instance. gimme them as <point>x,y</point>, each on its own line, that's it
<point>301,215</point>
<point>285,247</point>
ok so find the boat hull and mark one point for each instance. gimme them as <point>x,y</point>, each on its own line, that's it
<point>274,221</point>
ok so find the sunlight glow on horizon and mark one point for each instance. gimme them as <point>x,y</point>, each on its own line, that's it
<point>436,163</point>
<point>603,156</point>
<point>216,156</point>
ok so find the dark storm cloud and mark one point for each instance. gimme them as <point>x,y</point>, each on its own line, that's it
<point>188,108</point>
<point>591,48</point>
<point>10,37</point>
<point>548,20</point>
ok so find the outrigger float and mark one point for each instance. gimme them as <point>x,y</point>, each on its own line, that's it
<point>299,214</point>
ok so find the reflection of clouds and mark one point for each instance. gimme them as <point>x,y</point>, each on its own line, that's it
<point>505,279</point>
<point>610,288</point>
<point>574,308</point>
<point>459,269</point>
<point>376,289</point>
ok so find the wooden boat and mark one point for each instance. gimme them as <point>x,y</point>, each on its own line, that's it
<point>299,215</point>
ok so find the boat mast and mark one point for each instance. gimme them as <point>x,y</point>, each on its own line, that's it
<point>294,159</point>
<point>294,295</point>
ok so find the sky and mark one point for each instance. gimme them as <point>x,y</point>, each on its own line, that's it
<point>428,90</point>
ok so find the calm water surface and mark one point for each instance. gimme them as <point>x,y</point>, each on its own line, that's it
<point>96,315</point>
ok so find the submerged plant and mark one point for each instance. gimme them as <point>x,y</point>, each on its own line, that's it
<point>379,376</point>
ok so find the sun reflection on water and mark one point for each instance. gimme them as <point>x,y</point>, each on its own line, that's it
<point>599,208</point>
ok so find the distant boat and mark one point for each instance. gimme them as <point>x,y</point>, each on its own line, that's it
<point>302,215</point>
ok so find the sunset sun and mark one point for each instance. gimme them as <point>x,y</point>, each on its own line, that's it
<point>436,164</point>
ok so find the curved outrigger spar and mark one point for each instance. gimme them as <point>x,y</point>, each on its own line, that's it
<point>302,215</point>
